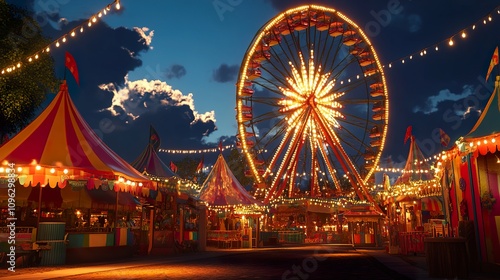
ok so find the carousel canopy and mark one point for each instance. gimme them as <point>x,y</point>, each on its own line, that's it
<point>487,124</point>
<point>60,139</point>
<point>149,161</point>
<point>416,168</point>
<point>222,189</point>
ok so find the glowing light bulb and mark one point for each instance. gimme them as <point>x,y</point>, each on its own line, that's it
<point>451,42</point>
<point>118,5</point>
<point>52,170</point>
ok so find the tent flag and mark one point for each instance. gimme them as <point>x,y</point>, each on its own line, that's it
<point>173,167</point>
<point>493,62</point>
<point>200,166</point>
<point>220,146</point>
<point>154,138</point>
<point>408,133</point>
<point>71,65</point>
<point>445,139</point>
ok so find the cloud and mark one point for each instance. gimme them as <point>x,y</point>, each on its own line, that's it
<point>226,73</point>
<point>146,38</point>
<point>468,111</point>
<point>175,71</point>
<point>138,97</point>
<point>432,102</point>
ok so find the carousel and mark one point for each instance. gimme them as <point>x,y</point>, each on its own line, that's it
<point>233,213</point>
<point>414,204</point>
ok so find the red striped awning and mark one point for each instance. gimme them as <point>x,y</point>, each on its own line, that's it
<point>432,203</point>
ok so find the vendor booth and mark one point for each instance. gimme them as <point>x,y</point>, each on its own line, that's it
<point>365,225</point>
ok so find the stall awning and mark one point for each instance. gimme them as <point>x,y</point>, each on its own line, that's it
<point>432,203</point>
<point>51,197</point>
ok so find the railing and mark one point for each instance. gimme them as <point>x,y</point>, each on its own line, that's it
<point>412,242</point>
<point>224,238</point>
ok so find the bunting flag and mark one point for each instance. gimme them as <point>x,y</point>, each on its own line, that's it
<point>445,139</point>
<point>71,65</point>
<point>173,167</point>
<point>154,138</point>
<point>408,133</point>
<point>200,166</point>
<point>493,62</point>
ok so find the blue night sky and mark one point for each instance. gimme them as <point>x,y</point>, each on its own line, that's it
<point>165,63</point>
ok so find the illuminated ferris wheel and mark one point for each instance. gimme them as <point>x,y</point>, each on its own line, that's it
<point>312,105</point>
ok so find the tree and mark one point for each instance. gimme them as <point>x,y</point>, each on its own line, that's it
<point>238,165</point>
<point>187,170</point>
<point>23,90</point>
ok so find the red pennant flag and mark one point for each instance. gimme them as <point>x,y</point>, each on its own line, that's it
<point>154,138</point>
<point>220,146</point>
<point>408,133</point>
<point>173,167</point>
<point>200,166</point>
<point>71,65</point>
<point>493,62</point>
<point>445,139</point>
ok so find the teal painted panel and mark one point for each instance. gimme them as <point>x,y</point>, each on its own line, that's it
<point>110,239</point>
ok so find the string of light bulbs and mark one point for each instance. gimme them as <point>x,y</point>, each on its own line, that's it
<point>450,42</point>
<point>200,151</point>
<point>62,39</point>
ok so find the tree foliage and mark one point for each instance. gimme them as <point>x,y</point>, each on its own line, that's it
<point>23,90</point>
<point>186,169</point>
<point>238,165</point>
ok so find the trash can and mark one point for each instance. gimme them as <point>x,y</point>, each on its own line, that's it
<point>56,255</point>
<point>51,231</point>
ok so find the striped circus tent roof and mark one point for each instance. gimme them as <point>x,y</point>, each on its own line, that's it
<point>150,163</point>
<point>416,168</point>
<point>222,189</point>
<point>487,124</point>
<point>59,146</point>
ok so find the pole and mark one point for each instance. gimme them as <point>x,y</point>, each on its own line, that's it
<point>473,200</point>
<point>39,210</point>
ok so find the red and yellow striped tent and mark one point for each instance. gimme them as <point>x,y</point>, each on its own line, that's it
<point>59,147</point>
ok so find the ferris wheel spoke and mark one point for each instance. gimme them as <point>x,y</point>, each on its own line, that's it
<point>285,161</point>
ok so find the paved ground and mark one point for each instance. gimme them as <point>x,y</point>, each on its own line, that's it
<point>311,262</point>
